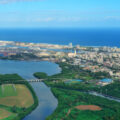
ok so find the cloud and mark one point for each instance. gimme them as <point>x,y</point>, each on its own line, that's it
<point>58,19</point>
<point>117,18</point>
<point>48,19</point>
<point>11,1</point>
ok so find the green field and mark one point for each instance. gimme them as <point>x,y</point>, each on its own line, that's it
<point>17,98</point>
<point>12,99</point>
<point>7,90</point>
<point>19,95</point>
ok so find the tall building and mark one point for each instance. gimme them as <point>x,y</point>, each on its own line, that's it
<point>75,52</point>
<point>70,45</point>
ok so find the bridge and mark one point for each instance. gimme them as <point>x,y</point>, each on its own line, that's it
<point>31,80</point>
<point>40,80</point>
<point>35,80</point>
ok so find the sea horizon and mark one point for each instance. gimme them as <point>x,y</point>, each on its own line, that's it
<point>77,36</point>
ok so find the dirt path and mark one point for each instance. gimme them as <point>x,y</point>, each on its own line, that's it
<point>69,111</point>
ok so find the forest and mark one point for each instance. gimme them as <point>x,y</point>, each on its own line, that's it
<point>70,95</point>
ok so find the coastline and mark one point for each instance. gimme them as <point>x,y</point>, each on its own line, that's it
<point>82,36</point>
<point>49,45</point>
<point>87,76</point>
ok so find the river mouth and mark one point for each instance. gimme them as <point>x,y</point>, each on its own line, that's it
<point>47,101</point>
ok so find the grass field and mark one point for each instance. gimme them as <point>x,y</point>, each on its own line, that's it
<point>7,90</point>
<point>6,115</point>
<point>17,95</point>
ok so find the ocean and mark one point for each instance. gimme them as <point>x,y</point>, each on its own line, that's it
<point>83,37</point>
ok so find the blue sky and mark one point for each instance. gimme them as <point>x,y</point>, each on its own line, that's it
<point>59,13</point>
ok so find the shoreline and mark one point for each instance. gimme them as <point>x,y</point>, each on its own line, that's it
<point>44,45</point>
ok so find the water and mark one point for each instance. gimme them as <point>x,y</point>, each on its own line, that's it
<point>73,81</point>
<point>104,96</point>
<point>47,102</point>
<point>106,80</point>
<point>84,37</point>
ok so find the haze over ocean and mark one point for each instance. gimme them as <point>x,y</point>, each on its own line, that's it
<point>84,37</point>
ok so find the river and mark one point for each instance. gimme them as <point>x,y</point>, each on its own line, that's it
<point>104,96</point>
<point>47,102</point>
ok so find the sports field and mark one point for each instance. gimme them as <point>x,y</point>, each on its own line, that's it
<point>15,95</point>
<point>7,90</point>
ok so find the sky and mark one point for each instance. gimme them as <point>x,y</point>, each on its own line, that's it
<point>59,13</point>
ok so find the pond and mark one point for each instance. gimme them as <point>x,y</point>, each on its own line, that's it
<point>73,81</point>
<point>106,80</point>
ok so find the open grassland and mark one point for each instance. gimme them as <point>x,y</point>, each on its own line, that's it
<point>6,115</point>
<point>17,99</point>
<point>17,95</point>
<point>7,90</point>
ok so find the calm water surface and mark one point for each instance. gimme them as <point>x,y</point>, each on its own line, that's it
<point>84,37</point>
<point>47,102</point>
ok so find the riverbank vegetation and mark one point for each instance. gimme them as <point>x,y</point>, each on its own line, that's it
<point>69,100</point>
<point>40,75</point>
<point>17,98</point>
<point>111,89</point>
<point>72,94</point>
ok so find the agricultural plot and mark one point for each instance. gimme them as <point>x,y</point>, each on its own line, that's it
<point>16,100</point>
<point>6,115</point>
<point>15,95</point>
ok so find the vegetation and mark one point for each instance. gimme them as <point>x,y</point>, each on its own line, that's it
<point>77,72</point>
<point>17,97</point>
<point>68,100</point>
<point>111,89</point>
<point>6,114</point>
<point>10,78</point>
<point>40,75</point>
<point>21,96</point>
<point>7,90</point>
<point>73,94</point>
